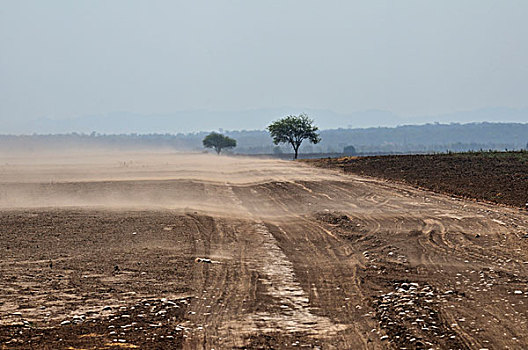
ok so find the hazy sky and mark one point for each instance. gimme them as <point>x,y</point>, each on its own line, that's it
<point>63,59</point>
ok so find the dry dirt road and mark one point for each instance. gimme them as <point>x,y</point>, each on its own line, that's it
<point>199,252</point>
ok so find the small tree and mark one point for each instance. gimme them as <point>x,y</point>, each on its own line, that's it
<point>349,151</point>
<point>218,142</point>
<point>294,130</point>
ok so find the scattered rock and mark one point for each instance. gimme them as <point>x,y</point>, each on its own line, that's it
<point>78,318</point>
<point>205,260</point>
<point>410,317</point>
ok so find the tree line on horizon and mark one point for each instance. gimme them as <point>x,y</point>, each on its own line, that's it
<point>403,139</point>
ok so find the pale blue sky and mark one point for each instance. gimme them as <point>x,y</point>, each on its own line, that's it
<point>64,59</point>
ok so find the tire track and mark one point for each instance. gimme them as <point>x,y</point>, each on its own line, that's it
<point>287,310</point>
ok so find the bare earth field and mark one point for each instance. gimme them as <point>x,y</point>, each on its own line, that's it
<point>497,177</point>
<point>168,251</point>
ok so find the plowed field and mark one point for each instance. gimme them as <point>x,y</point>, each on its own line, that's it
<point>498,177</point>
<point>201,252</point>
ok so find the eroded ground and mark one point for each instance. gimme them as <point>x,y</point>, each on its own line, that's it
<point>168,251</point>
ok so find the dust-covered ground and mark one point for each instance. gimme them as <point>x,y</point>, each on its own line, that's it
<point>171,251</point>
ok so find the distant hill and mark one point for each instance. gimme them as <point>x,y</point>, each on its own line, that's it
<point>402,139</point>
<point>199,120</point>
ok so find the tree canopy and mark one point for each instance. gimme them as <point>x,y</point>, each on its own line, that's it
<point>218,142</point>
<point>294,130</point>
<point>349,150</point>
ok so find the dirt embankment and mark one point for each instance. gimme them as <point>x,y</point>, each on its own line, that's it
<point>498,177</point>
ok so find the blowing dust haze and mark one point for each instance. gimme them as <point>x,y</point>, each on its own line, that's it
<point>119,230</point>
<point>133,179</point>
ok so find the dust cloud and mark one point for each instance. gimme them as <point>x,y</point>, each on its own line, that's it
<point>135,179</point>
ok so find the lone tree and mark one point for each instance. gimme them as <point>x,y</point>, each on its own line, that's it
<point>218,142</point>
<point>293,130</point>
<point>349,151</point>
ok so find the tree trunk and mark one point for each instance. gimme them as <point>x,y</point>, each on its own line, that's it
<point>296,152</point>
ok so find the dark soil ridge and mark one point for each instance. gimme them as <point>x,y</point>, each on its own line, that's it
<point>493,177</point>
